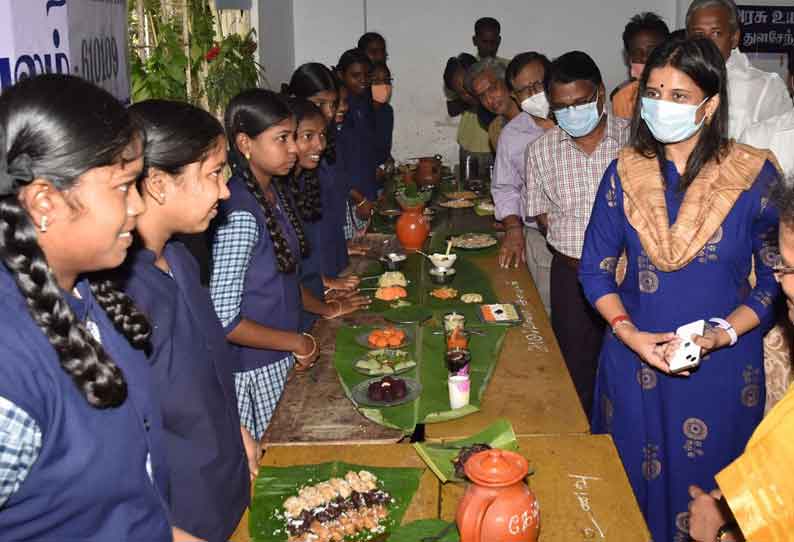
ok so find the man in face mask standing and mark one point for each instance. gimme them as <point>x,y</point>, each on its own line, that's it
<point>564,169</point>
<point>523,88</point>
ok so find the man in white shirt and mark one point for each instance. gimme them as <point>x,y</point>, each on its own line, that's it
<point>753,95</point>
<point>777,135</point>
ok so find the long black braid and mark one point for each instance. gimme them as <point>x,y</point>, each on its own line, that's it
<point>81,356</point>
<point>307,197</point>
<point>57,127</point>
<point>292,216</point>
<point>284,257</point>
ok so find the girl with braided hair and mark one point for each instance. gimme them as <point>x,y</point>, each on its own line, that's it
<point>257,250</point>
<point>80,427</point>
<point>316,83</point>
<point>304,187</point>
<point>182,182</point>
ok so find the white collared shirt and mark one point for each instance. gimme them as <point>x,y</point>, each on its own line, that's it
<point>777,135</point>
<point>753,95</point>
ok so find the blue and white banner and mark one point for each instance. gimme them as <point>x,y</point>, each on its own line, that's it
<point>766,29</point>
<point>83,37</point>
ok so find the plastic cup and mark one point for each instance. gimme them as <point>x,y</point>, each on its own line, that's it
<point>459,386</point>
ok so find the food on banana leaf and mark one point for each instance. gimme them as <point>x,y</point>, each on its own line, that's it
<point>465,453</point>
<point>337,508</point>
<point>391,293</point>
<point>385,362</point>
<point>392,278</point>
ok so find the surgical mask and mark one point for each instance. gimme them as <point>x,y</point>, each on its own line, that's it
<point>381,93</point>
<point>636,70</point>
<point>579,120</point>
<point>536,105</point>
<point>670,122</point>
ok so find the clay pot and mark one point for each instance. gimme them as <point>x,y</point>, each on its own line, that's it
<point>413,228</point>
<point>498,505</point>
<point>428,171</point>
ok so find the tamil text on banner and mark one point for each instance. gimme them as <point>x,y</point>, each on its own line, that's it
<point>766,29</point>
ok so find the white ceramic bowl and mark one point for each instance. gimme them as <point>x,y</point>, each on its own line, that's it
<point>442,261</point>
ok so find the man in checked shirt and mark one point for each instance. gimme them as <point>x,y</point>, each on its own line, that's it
<point>564,169</point>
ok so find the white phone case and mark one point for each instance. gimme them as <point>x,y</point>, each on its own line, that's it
<point>688,354</point>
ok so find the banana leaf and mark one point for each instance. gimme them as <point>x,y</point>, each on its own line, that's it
<point>439,456</point>
<point>417,530</point>
<point>428,351</point>
<point>275,484</point>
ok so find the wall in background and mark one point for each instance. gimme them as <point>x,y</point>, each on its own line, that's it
<point>421,36</point>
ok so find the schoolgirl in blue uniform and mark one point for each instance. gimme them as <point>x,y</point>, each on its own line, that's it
<point>315,82</point>
<point>257,250</point>
<point>357,139</point>
<point>182,182</point>
<point>303,185</point>
<point>81,444</point>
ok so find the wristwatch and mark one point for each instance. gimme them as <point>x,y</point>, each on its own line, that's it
<point>726,532</point>
<point>727,327</point>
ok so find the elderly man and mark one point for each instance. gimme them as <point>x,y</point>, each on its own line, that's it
<point>486,82</point>
<point>753,95</point>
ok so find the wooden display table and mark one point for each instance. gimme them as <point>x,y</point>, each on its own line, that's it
<point>582,489</point>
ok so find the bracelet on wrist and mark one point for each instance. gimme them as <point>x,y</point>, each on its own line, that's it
<point>362,202</point>
<point>727,327</point>
<point>310,354</point>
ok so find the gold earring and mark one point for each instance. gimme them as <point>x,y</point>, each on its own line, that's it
<point>248,156</point>
<point>43,226</point>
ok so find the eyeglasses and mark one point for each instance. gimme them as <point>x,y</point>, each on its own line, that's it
<point>531,89</point>
<point>556,108</point>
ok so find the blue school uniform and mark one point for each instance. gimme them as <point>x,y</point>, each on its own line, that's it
<point>384,126</point>
<point>356,144</point>
<point>95,474</point>
<point>674,431</point>
<point>247,284</point>
<point>334,194</point>
<point>209,483</point>
<point>312,265</point>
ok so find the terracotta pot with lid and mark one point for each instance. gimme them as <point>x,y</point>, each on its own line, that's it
<point>498,506</point>
<point>428,170</point>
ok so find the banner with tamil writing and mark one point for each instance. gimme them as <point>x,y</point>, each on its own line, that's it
<point>766,29</point>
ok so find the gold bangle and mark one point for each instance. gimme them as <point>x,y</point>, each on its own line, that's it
<point>362,202</point>
<point>310,354</point>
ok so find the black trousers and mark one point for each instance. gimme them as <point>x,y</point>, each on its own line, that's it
<point>578,327</point>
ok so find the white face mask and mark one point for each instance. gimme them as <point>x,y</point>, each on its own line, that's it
<point>536,105</point>
<point>670,122</point>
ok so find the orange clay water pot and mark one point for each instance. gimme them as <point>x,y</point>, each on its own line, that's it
<point>428,171</point>
<point>498,506</point>
<point>413,228</point>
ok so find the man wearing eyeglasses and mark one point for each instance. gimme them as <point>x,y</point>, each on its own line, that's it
<point>564,169</point>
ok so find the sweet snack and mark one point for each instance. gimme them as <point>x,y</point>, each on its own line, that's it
<point>385,362</point>
<point>444,293</point>
<point>392,278</point>
<point>387,389</point>
<point>473,241</point>
<point>389,337</point>
<point>337,508</point>
<point>471,298</point>
<point>392,293</point>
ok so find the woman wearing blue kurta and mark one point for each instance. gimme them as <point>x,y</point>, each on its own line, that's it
<point>81,452</point>
<point>257,249</point>
<point>672,431</point>
<point>182,183</point>
<point>304,186</point>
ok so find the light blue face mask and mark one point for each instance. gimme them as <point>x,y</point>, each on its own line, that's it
<point>670,122</point>
<point>579,120</point>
